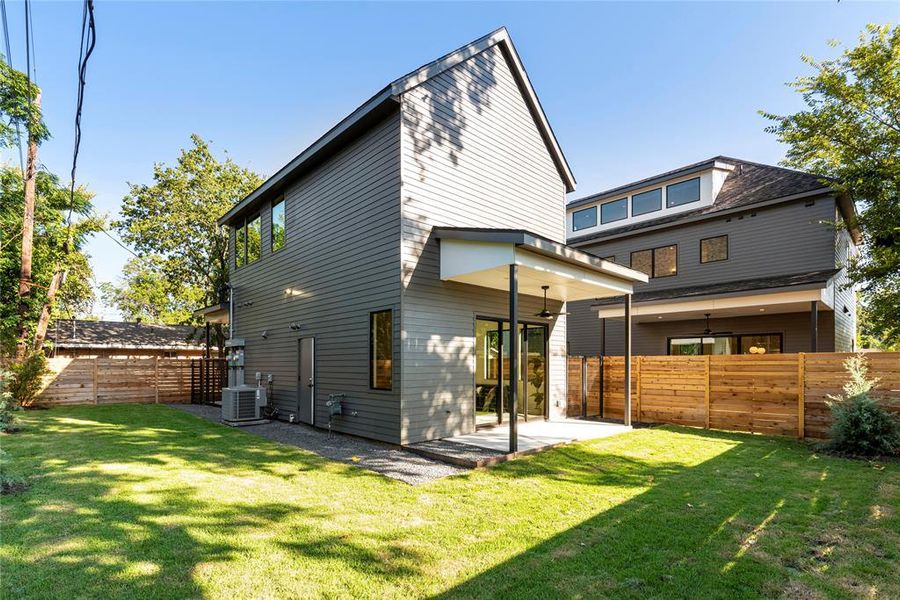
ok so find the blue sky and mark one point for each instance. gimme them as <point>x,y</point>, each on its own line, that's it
<point>630,89</point>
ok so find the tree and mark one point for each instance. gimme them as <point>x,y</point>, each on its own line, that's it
<point>146,294</point>
<point>850,133</point>
<point>49,251</point>
<point>172,225</point>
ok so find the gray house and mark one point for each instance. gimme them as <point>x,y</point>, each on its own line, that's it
<point>391,259</point>
<point>742,258</point>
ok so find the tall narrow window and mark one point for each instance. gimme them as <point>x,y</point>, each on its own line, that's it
<point>582,219</point>
<point>381,350</point>
<point>240,246</point>
<point>253,240</point>
<point>665,261</point>
<point>278,226</point>
<point>714,249</point>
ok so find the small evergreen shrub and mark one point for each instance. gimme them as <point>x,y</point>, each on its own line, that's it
<point>861,426</point>
<point>7,405</point>
<point>27,378</point>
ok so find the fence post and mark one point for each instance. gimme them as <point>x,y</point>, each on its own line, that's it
<point>706,388</point>
<point>156,377</point>
<point>638,391</point>
<point>801,395</point>
<point>584,387</point>
<point>94,380</point>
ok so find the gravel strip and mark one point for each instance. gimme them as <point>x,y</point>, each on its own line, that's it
<point>386,459</point>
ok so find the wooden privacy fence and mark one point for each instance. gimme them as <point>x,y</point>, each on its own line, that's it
<point>779,394</point>
<point>84,380</point>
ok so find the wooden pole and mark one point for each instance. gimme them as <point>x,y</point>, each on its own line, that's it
<point>513,356</point>
<point>801,395</point>
<point>706,389</point>
<point>27,235</point>
<point>156,377</point>
<point>627,403</point>
<point>640,361</point>
<point>94,382</point>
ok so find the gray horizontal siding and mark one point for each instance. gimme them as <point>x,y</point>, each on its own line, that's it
<point>472,157</point>
<point>342,252</point>
<point>844,297</point>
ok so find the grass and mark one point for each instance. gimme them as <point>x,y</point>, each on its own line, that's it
<point>146,501</point>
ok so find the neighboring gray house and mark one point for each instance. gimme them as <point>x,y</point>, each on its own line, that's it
<point>378,263</point>
<point>753,246</point>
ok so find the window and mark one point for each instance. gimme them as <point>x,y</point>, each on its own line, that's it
<point>714,249</point>
<point>683,193</point>
<point>726,344</point>
<point>278,226</point>
<point>253,240</point>
<point>240,246</point>
<point>646,202</point>
<point>381,350</point>
<point>614,211</point>
<point>658,262</point>
<point>582,219</point>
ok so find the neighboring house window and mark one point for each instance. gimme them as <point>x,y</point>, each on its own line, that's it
<point>768,343</point>
<point>658,262</point>
<point>381,349</point>
<point>253,240</point>
<point>714,249</point>
<point>278,226</point>
<point>240,246</point>
<point>614,211</point>
<point>646,202</point>
<point>582,219</point>
<point>684,192</point>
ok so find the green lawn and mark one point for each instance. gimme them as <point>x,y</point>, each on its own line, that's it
<point>146,501</point>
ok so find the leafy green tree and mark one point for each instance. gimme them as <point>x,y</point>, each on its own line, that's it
<point>850,131</point>
<point>172,225</point>
<point>51,232</point>
<point>19,116</point>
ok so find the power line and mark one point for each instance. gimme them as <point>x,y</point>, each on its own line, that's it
<point>9,63</point>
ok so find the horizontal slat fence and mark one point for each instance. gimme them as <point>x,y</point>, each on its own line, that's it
<point>777,394</point>
<point>85,380</point>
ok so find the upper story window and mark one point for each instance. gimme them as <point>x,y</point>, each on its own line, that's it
<point>278,226</point>
<point>247,242</point>
<point>684,192</point>
<point>646,202</point>
<point>714,249</point>
<point>240,246</point>
<point>657,262</point>
<point>585,218</point>
<point>254,244</point>
<point>614,211</point>
<point>381,349</point>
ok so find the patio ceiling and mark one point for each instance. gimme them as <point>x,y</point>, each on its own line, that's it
<point>482,257</point>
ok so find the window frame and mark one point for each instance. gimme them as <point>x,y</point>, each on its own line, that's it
<point>240,253</point>
<point>699,192</point>
<point>256,217</point>
<point>583,210</point>
<point>625,200</point>
<point>715,237</point>
<point>738,342</point>
<point>652,252</point>
<point>372,352</point>
<point>647,212</point>
<point>283,205</point>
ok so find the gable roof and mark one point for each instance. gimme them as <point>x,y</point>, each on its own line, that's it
<point>74,333</point>
<point>748,184</point>
<point>387,100</point>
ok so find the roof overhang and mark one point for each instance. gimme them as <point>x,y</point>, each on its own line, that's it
<point>217,313</point>
<point>755,302</point>
<point>482,257</point>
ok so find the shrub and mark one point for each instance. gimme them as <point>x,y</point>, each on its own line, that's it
<point>861,426</point>
<point>7,405</point>
<point>27,376</point>
<point>9,484</point>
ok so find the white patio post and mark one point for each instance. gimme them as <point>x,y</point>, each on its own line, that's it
<point>627,416</point>
<point>513,356</point>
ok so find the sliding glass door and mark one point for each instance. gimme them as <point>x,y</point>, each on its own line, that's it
<point>492,371</point>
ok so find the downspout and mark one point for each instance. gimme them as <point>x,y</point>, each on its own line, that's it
<point>230,311</point>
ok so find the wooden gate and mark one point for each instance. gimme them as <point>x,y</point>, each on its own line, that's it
<point>208,377</point>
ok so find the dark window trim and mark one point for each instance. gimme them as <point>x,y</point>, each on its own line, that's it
<point>593,208</point>
<point>659,189</point>
<point>734,335</point>
<point>699,192</point>
<point>727,250</point>
<point>602,222</point>
<point>653,260</point>
<point>272,248</point>
<point>372,385</point>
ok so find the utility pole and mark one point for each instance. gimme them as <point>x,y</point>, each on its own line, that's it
<point>27,234</point>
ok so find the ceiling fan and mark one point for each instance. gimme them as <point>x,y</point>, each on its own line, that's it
<point>546,313</point>
<point>709,331</point>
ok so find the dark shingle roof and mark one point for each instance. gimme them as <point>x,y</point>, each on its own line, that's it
<point>119,334</point>
<point>743,285</point>
<point>748,184</point>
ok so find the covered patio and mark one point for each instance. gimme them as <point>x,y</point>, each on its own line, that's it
<point>520,262</point>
